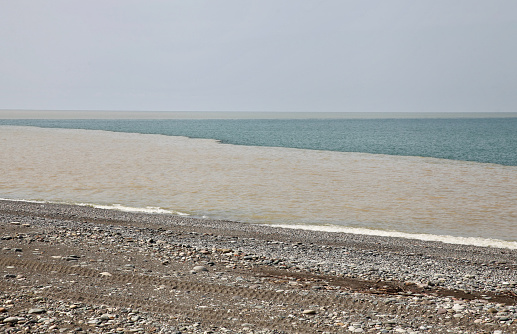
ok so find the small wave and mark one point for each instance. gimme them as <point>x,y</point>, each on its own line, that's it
<point>23,200</point>
<point>119,207</point>
<point>471,241</point>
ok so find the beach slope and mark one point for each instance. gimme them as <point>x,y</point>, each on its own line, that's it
<point>79,269</point>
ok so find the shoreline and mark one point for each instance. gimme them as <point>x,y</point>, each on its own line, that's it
<point>326,228</point>
<point>465,288</point>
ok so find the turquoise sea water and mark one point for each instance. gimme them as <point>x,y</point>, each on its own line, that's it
<point>486,140</point>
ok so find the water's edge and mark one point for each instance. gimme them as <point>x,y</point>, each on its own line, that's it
<point>448,239</point>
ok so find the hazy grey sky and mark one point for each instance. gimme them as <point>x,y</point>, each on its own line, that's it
<point>291,55</point>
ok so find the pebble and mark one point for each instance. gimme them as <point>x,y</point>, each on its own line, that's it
<point>199,269</point>
<point>441,311</point>
<point>458,307</point>
<point>36,311</point>
<point>107,316</point>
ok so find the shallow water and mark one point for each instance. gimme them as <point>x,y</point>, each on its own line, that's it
<point>269,185</point>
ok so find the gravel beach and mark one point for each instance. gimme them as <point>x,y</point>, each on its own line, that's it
<point>75,269</point>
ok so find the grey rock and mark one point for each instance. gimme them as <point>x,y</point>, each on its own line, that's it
<point>36,311</point>
<point>199,269</point>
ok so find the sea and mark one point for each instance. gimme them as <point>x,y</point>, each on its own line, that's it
<point>439,178</point>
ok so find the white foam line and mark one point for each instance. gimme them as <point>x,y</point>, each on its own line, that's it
<point>472,241</point>
<point>119,207</point>
<point>23,200</point>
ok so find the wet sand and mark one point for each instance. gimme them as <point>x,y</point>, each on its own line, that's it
<point>79,269</point>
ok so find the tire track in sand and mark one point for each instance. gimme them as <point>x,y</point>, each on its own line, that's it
<point>215,316</point>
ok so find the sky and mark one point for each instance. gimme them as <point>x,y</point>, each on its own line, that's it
<point>259,55</point>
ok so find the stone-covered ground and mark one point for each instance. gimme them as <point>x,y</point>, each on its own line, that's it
<point>72,269</point>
